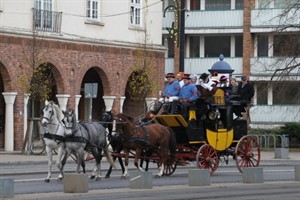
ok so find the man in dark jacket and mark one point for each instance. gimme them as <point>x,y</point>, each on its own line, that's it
<point>246,93</point>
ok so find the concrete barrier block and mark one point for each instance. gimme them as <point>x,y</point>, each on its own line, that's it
<point>282,153</point>
<point>6,187</point>
<point>297,173</point>
<point>253,175</point>
<point>199,177</point>
<point>75,183</point>
<point>140,180</point>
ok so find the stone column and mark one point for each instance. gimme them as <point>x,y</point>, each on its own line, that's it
<point>63,101</point>
<point>9,98</point>
<point>109,101</point>
<point>150,101</point>
<point>26,98</point>
<point>77,99</point>
<point>122,99</point>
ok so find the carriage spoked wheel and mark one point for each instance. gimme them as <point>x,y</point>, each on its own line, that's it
<point>247,152</point>
<point>170,169</point>
<point>207,158</point>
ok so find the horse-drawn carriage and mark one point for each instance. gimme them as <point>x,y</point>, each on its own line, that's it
<point>214,137</point>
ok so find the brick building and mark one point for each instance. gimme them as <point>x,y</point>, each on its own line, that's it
<point>87,41</point>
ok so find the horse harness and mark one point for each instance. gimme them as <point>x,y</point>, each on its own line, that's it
<point>57,138</point>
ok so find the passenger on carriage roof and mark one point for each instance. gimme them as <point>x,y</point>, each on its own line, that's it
<point>206,82</point>
<point>246,93</point>
<point>188,95</point>
<point>172,89</point>
<point>223,82</point>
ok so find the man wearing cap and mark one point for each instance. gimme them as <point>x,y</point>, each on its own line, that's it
<point>206,82</point>
<point>172,89</point>
<point>245,92</point>
<point>188,95</point>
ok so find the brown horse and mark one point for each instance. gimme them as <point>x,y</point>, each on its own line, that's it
<point>153,137</point>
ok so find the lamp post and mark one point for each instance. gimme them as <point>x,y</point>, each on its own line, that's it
<point>176,31</point>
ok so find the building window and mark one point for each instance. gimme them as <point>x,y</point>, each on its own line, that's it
<point>262,93</point>
<point>216,45</point>
<point>239,4</point>
<point>43,14</point>
<point>218,5</point>
<point>262,45</point>
<point>239,46</point>
<point>195,5</point>
<point>93,9</point>
<point>289,90</point>
<point>287,45</point>
<point>262,4</point>
<point>285,4</point>
<point>194,46</point>
<point>135,12</point>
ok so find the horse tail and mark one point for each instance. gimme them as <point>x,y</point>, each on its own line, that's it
<point>172,145</point>
<point>109,158</point>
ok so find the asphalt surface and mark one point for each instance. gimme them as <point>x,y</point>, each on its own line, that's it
<point>17,158</point>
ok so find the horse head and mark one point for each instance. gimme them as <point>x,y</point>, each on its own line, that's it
<point>124,123</point>
<point>69,121</point>
<point>106,117</point>
<point>48,112</point>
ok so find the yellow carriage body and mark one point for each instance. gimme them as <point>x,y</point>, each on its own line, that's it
<point>220,139</point>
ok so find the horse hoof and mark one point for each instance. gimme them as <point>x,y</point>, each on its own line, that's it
<point>59,179</point>
<point>107,176</point>
<point>98,179</point>
<point>92,177</point>
<point>47,180</point>
<point>157,176</point>
<point>123,177</point>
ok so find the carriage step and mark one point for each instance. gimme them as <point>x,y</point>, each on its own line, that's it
<point>140,180</point>
<point>6,187</point>
<point>75,183</point>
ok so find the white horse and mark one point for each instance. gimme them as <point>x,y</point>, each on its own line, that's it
<point>54,135</point>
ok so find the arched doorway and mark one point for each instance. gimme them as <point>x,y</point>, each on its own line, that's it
<point>98,105</point>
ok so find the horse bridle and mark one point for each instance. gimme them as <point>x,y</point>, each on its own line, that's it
<point>51,115</point>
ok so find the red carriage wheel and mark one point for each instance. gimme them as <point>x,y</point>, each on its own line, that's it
<point>207,158</point>
<point>247,152</point>
<point>170,169</point>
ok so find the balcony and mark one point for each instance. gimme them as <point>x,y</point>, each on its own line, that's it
<point>274,114</point>
<point>265,66</point>
<point>195,20</point>
<point>47,21</point>
<point>201,65</point>
<point>269,18</point>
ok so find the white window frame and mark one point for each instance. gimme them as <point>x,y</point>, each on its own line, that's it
<point>45,5</point>
<point>136,12</point>
<point>93,10</point>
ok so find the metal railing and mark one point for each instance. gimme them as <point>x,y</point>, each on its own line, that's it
<point>270,141</point>
<point>49,21</point>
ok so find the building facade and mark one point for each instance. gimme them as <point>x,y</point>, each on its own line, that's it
<point>80,42</point>
<point>257,38</point>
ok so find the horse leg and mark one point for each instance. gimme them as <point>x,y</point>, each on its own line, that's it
<point>96,173</point>
<point>80,160</point>
<point>126,153</point>
<point>138,152</point>
<point>58,161</point>
<point>49,154</point>
<point>63,162</point>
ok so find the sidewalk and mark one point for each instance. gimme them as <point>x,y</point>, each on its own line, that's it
<point>18,157</point>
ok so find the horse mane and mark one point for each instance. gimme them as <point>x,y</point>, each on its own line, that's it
<point>57,110</point>
<point>125,116</point>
